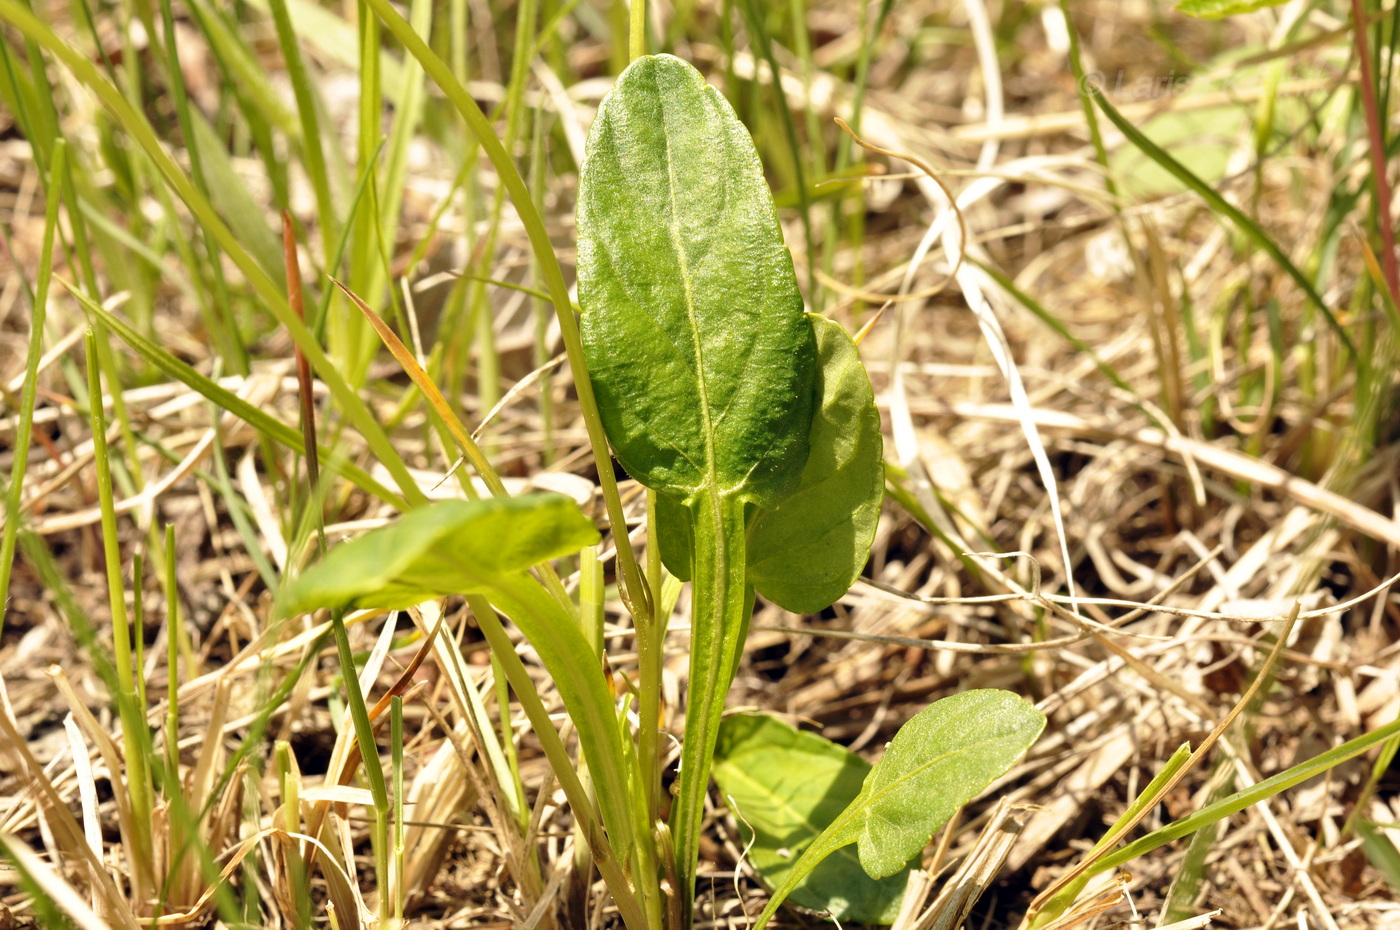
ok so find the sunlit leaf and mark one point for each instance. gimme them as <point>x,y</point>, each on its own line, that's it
<point>451,547</point>
<point>692,322</point>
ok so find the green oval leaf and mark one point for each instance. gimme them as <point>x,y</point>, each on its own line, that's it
<point>937,762</point>
<point>785,786</point>
<point>692,321</point>
<point>808,550</point>
<point>451,547</point>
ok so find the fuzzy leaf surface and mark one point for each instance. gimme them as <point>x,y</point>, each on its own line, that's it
<point>936,763</point>
<point>692,321</point>
<point>451,547</point>
<point>786,786</point>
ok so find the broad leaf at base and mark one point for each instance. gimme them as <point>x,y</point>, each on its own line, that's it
<point>937,762</point>
<point>784,787</point>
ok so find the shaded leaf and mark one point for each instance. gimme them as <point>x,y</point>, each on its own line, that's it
<point>785,786</point>
<point>1380,851</point>
<point>808,550</point>
<point>451,547</point>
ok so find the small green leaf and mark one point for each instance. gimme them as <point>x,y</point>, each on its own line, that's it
<point>1218,9</point>
<point>808,550</point>
<point>692,323</point>
<point>805,552</point>
<point>452,547</point>
<point>785,786</point>
<point>937,762</point>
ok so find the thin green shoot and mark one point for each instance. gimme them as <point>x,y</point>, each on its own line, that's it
<point>305,396</point>
<point>173,638</point>
<point>1229,211</point>
<point>130,709</point>
<point>369,754</point>
<point>24,429</point>
<point>312,147</point>
<point>396,747</point>
<point>753,16</point>
<point>1053,901</point>
<point>637,30</point>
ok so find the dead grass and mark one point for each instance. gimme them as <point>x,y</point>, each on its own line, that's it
<point>1167,478</point>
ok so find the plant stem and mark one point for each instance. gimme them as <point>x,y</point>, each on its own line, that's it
<point>29,392</point>
<point>138,776</point>
<point>651,647</point>
<point>1376,130</point>
<point>637,30</point>
<point>721,604</point>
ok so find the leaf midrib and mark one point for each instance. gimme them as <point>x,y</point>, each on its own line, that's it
<point>688,287</point>
<point>884,791</point>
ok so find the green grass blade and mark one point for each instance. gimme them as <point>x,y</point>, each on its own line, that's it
<point>633,588</point>
<point>1227,210</point>
<point>753,16</point>
<point>312,152</point>
<point>137,781</point>
<point>24,432</point>
<point>256,417</point>
<point>1247,797</point>
<point>266,288</point>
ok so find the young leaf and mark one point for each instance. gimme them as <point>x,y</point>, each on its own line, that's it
<point>692,321</point>
<point>451,547</point>
<point>806,551</point>
<point>936,763</point>
<point>785,786</point>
